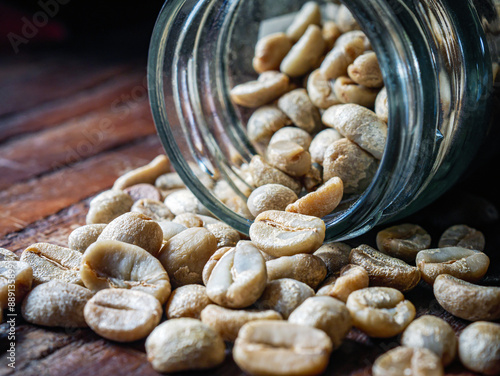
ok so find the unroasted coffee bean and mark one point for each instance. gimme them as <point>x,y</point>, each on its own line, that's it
<point>355,167</point>
<point>385,270</point>
<point>263,173</point>
<point>334,255</point>
<point>351,278</point>
<point>381,105</point>
<point>479,347</point>
<point>408,361</point>
<point>154,209</point>
<point>170,180</point>
<point>345,20</point>
<point>302,267</point>
<point>325,313</point>
<point>239,277</point>
<point>466,300</point>
<point>269,86</point>
<point>225,235</point>
<point>331,33</point>
<point>314,178</point>
<point>305,55</point>
<point>284,234</point>
<point>184,201</point>
<point>212,261</point>
<point>136,229</point>
<point>403,241</point>
<point>292,134</point>
<point>462,236</point>
<point>289,157</point>
<point>346,49</point>
<point>359,125</point>
<point>297,105</point>
<point>145,174</point>
<point>185,255</point>
<point>281,348</point>
<point>6,255</point>
<point>83,236</point>
<point>188,220</point>
<point>264,122</point>
<point>115,264</point>
<point>184,344</point>
<point>108,205</point>
<point>170,229</point>
<point>463,263</point>
<point>16,277</point>
<point>380,311</point>
<point>322,201</point>
<point>56,303</point>
<point>365,70</point>
<point>52,262</point>
<point>270,197</point>
<point>228,322</point>
<point>309,14</point>
<point>187,301</point>
<point>432,333</point>
<point>270,51</point>
<point>348,91</point>
<point>122,315</point>
<point>320,90</point>
<point>321,142</point>
<point>284,295</point>
<point>143,191</point>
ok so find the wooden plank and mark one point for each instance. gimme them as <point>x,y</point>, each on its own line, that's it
<point>112,93</point>
<point>73,141</point>
<point>25,203</point>
<point>54,78</point>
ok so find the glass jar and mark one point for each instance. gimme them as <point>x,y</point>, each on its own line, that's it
<point>438,60</point>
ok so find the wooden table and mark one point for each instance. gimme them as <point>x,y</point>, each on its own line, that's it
<point>69,126</point>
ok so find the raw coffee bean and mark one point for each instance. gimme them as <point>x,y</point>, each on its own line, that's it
<point>348,91</point>
<point>136,229</point>
<point>16,277</point>
<point>188,220</point>
<point>270,51</point>
<point>320,90</point>
<point>122,315</point>
<point>408,361</point>
<point>185,255</point>
<point>281,348</point>
<point>343,53</point>
<point>145,174</point>
<point>285,234</point>
<point>269,86</point>
<point>322,201</point>
<point>115,264</point>
<point>325,313</point>
<point>403,241</point>
<point>462,236</point>
<point>264,122</point>
<point>345,20</point>
<point>228,322</point>
<point>334,255</point>
<point>226,235</point>
<point>380,312</point>
<point>320,143</point>
<point>289,157</point>
<point>143,191</point>
<point>365,70</point>
<point>52,262</point>
<point>239,277</point>
<point>170,229</point>
<point>466,300</point>
<point>463,263</point>
<point>381,105</point>
<point>56,304</point>
<point>284,295</point>
<point>292,134</point>
<point>184,344</point>
<point>309,14</point>
<point>83,236</point>
<point>385,270</point>
<point>331,33</point>
<point>302,267</point>
<point>270,197</point>
<point>184,201</point>
<point>6,255</point>
<point>212,261</point>
<point>297,105</point>
<point>479,347</point>
<point>351,278</point>
<point>154,209</point>
<point>187,301</point>
<point>263,173</point>
<point>432,333</point>
<point>168,181</point>
<point>108,205</point>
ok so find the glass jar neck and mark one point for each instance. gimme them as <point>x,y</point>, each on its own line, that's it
<point>437,69</point>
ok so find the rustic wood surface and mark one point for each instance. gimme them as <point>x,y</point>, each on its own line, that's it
<point>69,127</point>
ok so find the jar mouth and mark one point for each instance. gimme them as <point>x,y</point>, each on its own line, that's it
<point>190,59</point>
